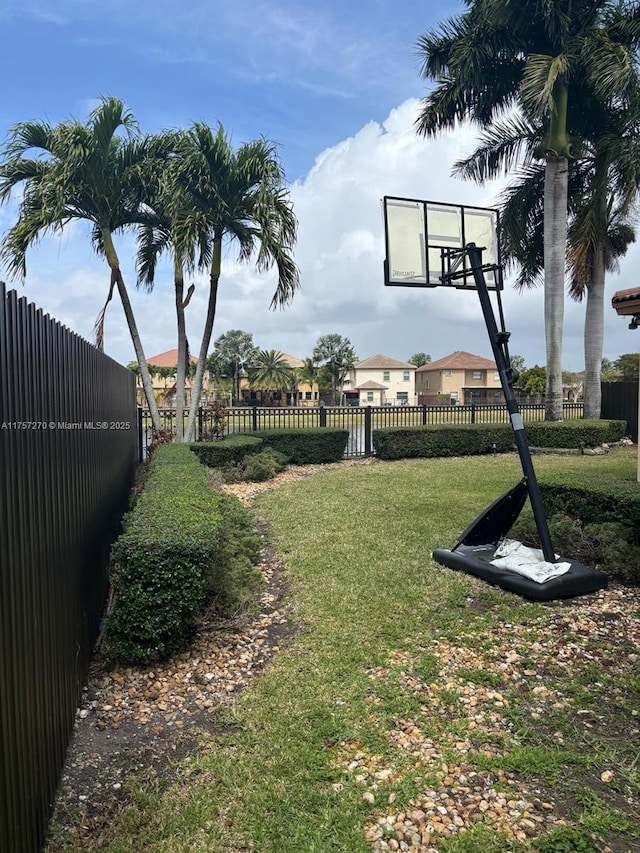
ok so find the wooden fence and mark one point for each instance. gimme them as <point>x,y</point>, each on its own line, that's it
<point>68,450</point>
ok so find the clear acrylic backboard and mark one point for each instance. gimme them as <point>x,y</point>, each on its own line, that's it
<point>416,233</point>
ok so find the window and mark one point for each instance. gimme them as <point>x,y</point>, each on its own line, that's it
<point>402,396</point>
<point>426,384</point>
<point>385,376</point>
<point>454,395</point>
<point>477,374</point>
<point>369,396</point>
<point>307,395</point>
<point>447,373</point>
<point>496,375</point>
<point>299,395</point>
<point>406,375</point>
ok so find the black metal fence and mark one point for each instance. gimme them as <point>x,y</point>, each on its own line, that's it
<point>359,420</point>
<point>68,450</point>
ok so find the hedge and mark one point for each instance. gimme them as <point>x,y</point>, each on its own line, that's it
<point>575,433</point>
<point>592,498</point>
<point>306,446</point>
<point>431,441</point>
<point>474,439</point>
<point>229,450</point>
<point>177,549</point>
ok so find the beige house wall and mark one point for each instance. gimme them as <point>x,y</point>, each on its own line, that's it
<point>395,384</point>
<point>452,382</point>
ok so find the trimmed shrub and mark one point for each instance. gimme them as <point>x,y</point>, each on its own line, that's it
<point>264,465</point>
<point>609,546</point>
<point>160,562</point>
<point>182,545</point>
<point>306,446</point>
<point>229,450</point>
<point>434,441</point>
<point>593,499</point>
<point>575,433</point>
<point>233,581</point>
<point>474,439</point>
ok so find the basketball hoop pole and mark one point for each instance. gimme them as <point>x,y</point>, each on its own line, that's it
<point>498,341</point>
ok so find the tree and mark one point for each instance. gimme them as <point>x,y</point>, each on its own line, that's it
<point>237,195</point>
<point>270,371</point>
<point>517,363</point>
<point>627,367</point>
<point>308,373</point>
<point>164,203</point>
<point>419,358</point>
<point>232,353</point>
<point>338,356</point>
<point>602,190</point>
<point>79,172</point>
<point>502,54</point>
<point>533,380</point>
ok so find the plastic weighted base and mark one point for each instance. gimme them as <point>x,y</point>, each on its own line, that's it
<point>476,560</point>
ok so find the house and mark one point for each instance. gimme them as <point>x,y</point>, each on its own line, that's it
<point>163,369</point>
<point>460,377</point>
<point>380,381</point>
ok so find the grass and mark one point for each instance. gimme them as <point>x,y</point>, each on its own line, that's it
<point>376,615</point>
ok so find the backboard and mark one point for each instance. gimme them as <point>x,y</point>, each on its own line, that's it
<point>419,233</point>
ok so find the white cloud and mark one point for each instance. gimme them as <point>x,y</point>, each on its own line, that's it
<point>340,254</point>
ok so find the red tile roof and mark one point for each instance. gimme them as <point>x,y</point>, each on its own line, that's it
<point>168,359</point>
<point>459,360</point>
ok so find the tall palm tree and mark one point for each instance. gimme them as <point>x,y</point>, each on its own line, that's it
<point>270,371</point>
<point>79,172</point>
<point>338,356</point>
<point>163,203</point>
<point>233,352</point>
<point>308,373</point>
<point>505,53</point>
<point>602,190</point>
<point>237,195</point>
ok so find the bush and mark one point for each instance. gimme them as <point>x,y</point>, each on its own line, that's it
<point>474,439</point>
<point>434,441</point>
<point>230,450</point>
<point>159,564</point>
<point>233,582</point>
<point>306,446</point>
<point>609,546</point>
<point>574,434</point>
<point>182,544</point>
<point>264,465</point>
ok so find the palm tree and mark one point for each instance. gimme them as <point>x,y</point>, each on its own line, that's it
<point>232,353</point>
<point>602,190</point>
<point>163,204</point>
<point>270,371</point>
<point>338,357</point>
<point>500,54</point>
<point>308,373</point>
<point>79,172</point>
<point>237,195</point>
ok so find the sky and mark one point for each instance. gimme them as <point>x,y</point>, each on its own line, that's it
<point>337,86</point>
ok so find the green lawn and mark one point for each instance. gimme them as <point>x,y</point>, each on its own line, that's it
<point>390,649</point>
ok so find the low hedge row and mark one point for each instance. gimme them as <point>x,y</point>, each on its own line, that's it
<point>298,446</point>
<point>573,434</point>
<point>228,451</point>
<point>592,498</point>
<point>181,544</point>
<point>474,439</point>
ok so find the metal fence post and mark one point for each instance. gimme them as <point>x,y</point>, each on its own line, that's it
<point>323,416</point>
<point>473,413</point>
<point>367,431</point>
<point>254,418</point>
<point>142,449</point>
<point>424,415</point>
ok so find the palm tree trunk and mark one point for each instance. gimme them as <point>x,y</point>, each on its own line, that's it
<point>555,242</point>
<point>594,337</point>
<point>116,277</point>
<point>182,348</point>
<point>206,335</point>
